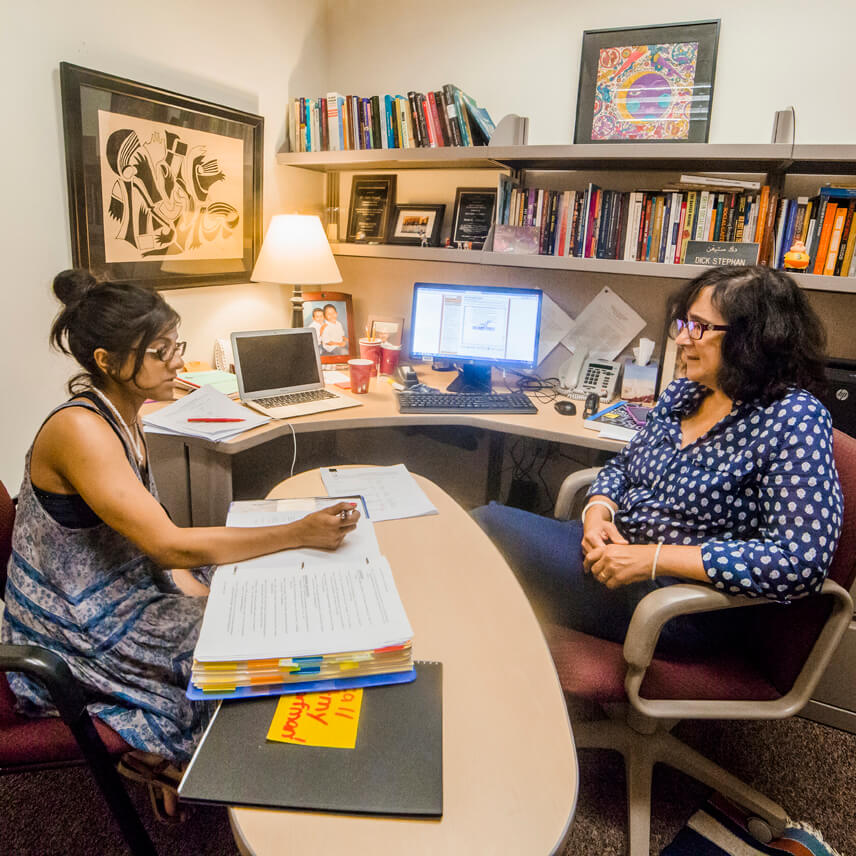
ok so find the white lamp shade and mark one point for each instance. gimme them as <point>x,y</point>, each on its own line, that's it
<point>295,250</point>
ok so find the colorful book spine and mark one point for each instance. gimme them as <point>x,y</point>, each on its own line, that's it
<point>834,240</point>
<point>825,234</point>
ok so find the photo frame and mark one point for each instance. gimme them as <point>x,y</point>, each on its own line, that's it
<point>334,325</point>
<point>473,217</point>
<point>372,198</point>
<point>415,224</point>
<point>647,84</point>
<point>164,189</point>
<point>386,328</point>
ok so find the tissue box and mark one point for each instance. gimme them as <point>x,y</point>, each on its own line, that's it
<point>639,383</point>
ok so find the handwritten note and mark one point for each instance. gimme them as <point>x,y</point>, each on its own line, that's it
<point>328,719</point>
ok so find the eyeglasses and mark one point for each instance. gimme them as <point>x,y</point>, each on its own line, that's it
<point>165,353</point>
<point>695,329</point>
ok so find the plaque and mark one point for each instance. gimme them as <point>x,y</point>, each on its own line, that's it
<point>372,197</point>
<point>474,208</point>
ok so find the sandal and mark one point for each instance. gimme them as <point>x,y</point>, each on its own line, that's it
<point>157,780</point>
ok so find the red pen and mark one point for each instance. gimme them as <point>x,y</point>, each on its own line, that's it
<point>217,419</point>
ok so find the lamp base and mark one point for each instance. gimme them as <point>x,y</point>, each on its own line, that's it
<point>297,307</point>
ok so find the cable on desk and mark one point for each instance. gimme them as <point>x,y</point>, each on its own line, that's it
<point>294,456</point>
<point>543,390</point>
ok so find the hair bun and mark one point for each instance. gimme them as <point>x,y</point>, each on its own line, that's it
<point>70,286</point>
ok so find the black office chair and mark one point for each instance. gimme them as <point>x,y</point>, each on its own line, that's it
<point>28,744</point>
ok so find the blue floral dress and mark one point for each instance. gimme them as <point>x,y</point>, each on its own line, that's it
<point>112,614</point>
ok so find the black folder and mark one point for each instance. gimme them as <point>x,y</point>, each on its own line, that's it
<point>396,767</point>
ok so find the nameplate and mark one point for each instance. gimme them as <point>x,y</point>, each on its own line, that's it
<point>721,253</point>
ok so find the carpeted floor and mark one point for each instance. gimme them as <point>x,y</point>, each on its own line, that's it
<point>808,767</point>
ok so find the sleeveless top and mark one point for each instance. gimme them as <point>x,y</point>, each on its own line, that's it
<point>127,634</point>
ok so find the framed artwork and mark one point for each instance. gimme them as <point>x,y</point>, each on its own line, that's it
<point>372,198</point>
<point>331,313</point>
<point>163,189</point>
<point>474,209</point>
<point>416,224</point>
<point>385,328</point>
<point>647,84</point>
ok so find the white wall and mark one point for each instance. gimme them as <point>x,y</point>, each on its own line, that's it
<point>524,57</point>
<point>246,55</point>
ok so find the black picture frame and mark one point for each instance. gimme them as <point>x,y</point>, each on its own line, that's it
<point>411,223</point>
<point>474,213</point>
<point>627,93</point>
<point>164,190</point>
<point>372,198</point>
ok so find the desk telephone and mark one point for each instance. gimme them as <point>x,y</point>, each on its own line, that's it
<point>583,375</point>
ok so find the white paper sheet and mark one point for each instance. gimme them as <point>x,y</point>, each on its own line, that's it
<point>604,327</point>
<point>390,493</point>
<point>296,612</point>
<point>555,324</point>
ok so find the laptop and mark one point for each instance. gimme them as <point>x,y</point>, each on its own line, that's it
<point>279,373</point>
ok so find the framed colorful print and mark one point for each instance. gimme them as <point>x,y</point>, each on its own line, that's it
<point>385,328</point>
<point>163,189</point>
<point>372,198</point>
<point>474,209</point>
<point>331,314</point>
<point>416,224</point>
<point>647,84</point>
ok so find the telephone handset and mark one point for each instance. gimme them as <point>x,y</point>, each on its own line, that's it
<point>583,375</point>
<point>223,359</point>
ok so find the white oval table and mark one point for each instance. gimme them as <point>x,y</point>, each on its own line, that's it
<point>509,763</point>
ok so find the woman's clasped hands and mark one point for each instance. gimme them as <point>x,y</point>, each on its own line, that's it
<point>608,556</point>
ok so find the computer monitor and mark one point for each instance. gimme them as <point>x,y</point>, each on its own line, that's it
<point>475,327</point>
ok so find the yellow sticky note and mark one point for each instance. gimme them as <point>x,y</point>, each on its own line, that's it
<point>318,719</point>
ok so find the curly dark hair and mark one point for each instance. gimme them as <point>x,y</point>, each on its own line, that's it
<point>121,317</point>
<point>774,341</point>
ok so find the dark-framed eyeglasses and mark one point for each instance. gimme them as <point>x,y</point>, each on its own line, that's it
<point>695,329</point>
<point>166,353</point>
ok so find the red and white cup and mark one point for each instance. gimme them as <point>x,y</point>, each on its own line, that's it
<point>389,358</point>
<point>370,350</point>
<point>360,371</point>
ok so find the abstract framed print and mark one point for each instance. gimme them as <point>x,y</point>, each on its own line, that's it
<point>164,189</point>
<point>647,84</point>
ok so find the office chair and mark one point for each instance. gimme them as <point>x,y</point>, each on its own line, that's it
<point>645,694</point>
<point>30,743</point>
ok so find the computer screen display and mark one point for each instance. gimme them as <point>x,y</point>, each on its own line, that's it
<point>476,323</point>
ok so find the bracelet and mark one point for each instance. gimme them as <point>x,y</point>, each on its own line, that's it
<point>654,563</point>
<point>602,502</point>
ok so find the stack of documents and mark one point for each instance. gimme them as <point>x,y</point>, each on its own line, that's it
<point>301,620</point>
<point>224,382</point>
<point>205,413</point>
<point>390,493</point>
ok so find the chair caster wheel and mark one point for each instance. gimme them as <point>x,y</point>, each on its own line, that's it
<point>759,830</point>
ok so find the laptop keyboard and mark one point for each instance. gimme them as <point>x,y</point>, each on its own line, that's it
<point>295,398</point>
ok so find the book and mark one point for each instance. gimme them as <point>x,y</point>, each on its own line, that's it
<point>824,227</point>
<point>835,240</point>
<point>479,118</point>
<point>395,767</point>
<point>615,421</point>
<point>301,619</point>
<point>719,183</point>
<point>845,237</point>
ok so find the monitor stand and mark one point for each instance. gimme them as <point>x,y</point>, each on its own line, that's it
<point>471,378</point>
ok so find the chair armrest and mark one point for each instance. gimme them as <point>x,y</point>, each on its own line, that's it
<point>51,670</point>
<point>657,607</point>
<point>571,486</point>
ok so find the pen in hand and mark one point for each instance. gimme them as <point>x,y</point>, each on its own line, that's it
<point>212,419</point>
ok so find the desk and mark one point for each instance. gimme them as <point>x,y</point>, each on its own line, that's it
<point>509,764</point>
<point>195,475</point>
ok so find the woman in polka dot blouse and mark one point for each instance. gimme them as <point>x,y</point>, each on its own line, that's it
<point>731,482</point>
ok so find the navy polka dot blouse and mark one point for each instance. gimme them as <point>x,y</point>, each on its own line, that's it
<point>758,493</point>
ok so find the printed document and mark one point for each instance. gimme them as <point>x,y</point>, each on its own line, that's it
<point>390,493</point>
<point>604,327</point>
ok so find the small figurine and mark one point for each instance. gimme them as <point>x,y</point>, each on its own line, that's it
<point>796,258</point>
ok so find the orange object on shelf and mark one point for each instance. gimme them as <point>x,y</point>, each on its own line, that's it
<point>796,258</point>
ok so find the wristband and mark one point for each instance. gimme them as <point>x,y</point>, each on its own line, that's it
<point>602,502</point>
<point>654,563</point>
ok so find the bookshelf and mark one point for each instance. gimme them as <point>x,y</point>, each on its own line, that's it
<point>778,161</point>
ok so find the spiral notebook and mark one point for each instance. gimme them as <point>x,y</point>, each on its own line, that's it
<point>396,767</point>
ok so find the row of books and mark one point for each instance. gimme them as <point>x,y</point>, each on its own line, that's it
<point>656,225</point>
<point>446,117</point>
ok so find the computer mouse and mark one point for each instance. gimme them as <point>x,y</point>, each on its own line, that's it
<point>565,407</point>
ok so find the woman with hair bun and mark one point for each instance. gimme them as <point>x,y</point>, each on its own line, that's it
<point>93,550</point>
<point>731,482</point>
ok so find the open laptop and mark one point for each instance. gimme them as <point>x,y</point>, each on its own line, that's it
<point>279,373</point>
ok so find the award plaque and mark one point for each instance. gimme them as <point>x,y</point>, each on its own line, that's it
<point>372,197</point>
<point>474,207</point>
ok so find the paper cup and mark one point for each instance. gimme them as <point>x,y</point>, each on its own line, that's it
<point>389,357</point>
<point>370,350</point>
<point>360,371</point>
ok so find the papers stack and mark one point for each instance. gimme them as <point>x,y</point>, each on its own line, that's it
<point>301,620</point>
<point>224,382</point>
<point>206,403</point>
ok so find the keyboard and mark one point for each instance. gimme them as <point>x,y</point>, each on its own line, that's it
<point>295,398</point>
<point>465,402</point>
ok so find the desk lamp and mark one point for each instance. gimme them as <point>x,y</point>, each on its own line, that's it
<point>295,252</point>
